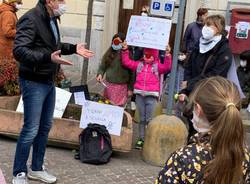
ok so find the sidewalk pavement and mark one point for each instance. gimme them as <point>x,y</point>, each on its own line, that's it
<point>124,168</point>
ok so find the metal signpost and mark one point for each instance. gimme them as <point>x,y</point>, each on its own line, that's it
<point>175,56</point>
<point>165,8</point>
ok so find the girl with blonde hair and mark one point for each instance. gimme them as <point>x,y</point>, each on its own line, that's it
<point>217,154</point>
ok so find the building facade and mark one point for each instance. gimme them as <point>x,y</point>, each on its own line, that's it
<point>105,19</point>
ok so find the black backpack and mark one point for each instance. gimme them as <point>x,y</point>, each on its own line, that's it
<point>95,144</point>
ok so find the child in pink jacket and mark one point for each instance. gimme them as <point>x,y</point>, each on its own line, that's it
<point>147,84</point>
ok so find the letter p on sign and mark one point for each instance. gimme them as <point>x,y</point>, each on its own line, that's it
<point>156,5</point>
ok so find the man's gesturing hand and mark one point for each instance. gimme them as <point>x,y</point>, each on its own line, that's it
<point>80,50</point>
<point>56,58</point>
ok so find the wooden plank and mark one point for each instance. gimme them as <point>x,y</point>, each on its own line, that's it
<point>64,132</point>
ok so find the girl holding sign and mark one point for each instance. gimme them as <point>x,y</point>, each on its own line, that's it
<point>118,81</point>
<point>147,84</point>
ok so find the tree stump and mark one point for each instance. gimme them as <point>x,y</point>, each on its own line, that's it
<point>164,135</point>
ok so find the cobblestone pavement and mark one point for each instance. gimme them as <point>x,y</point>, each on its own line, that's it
<point>124,168</point>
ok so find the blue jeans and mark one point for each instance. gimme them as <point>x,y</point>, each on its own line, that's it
<point>39,104</point>
<point>146,106</point>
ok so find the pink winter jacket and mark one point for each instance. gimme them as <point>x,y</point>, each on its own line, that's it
<point>147,80</point>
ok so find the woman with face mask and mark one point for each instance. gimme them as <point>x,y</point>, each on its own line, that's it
<point>118,80</point>
<point>213,57</point>
<point>145,10</point>
<point>217,154</point>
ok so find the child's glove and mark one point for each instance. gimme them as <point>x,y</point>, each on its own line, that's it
<point>180,97</point>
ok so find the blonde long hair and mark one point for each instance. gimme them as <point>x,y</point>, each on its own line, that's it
<point>220,102</point>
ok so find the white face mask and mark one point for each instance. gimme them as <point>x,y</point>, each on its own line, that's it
<point>243,63</point>
<point>199,124</point>
<point>116,47</point>
<point>18,6</point>
<point>144,14</point>
<point>61,10</point>
<point>182,57</point>
<point>207,33</point>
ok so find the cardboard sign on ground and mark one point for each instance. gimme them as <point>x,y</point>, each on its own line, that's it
<point>109,115</point>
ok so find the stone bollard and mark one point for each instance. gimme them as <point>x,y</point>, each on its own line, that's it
<point>164,135</point>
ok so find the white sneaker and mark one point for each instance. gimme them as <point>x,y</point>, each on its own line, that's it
<point>43,176</point>
<point>20,178</point>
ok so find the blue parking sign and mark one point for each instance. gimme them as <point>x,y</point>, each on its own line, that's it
<point>168,7</point>
<point>156,5</point>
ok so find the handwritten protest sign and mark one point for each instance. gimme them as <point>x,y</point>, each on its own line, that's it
<point>148,32</point>
<point>62,99</point>
<point>103,114</point>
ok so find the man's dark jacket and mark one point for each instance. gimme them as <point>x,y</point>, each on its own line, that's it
<point>34,44</point>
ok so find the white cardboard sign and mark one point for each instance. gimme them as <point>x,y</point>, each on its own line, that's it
<point>62,99</point>
<point>79,98</point>
<point>103,114</point>
<point>148,32</point>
